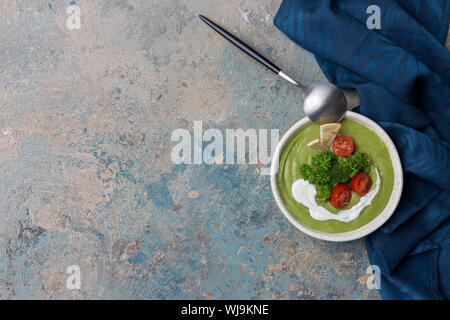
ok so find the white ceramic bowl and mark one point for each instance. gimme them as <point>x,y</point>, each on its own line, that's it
<point>367,228</point>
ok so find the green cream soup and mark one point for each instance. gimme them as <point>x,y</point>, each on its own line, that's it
<point>296,152</point>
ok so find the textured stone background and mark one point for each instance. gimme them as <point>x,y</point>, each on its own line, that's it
<point>85,126</point>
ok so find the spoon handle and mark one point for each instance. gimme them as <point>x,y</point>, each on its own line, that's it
<point>248,50</point>
<point>241,45</point>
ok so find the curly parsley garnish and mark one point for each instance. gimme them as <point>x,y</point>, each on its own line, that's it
<point>327,170</point>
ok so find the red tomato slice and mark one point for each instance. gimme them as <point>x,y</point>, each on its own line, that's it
<point>342,146</point>
<point>340,196</point>
<point>361,183</point>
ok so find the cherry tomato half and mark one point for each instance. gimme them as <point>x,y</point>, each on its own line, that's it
<point>342,146</point>
<point>361,183</point>
<point>340,196</point>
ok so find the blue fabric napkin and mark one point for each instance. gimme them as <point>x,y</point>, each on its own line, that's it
<point>402,74</point>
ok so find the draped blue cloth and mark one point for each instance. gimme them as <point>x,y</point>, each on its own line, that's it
<point>402,74</point>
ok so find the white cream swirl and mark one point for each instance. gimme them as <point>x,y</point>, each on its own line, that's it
<point>305,193</point>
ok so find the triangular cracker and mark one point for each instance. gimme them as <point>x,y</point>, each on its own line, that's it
<point>317,145</point>
<point>328,132</point>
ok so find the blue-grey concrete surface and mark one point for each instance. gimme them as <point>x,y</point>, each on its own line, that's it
<point>87,178</point>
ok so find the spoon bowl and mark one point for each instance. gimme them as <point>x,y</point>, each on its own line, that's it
<point>324,103</point>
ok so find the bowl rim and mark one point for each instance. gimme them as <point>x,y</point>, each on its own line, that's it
<point>373,224</point>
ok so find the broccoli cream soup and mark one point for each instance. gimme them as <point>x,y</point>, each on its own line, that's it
<point>296,153</point>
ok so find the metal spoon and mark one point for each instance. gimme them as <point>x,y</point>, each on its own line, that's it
<point>322,102</point>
